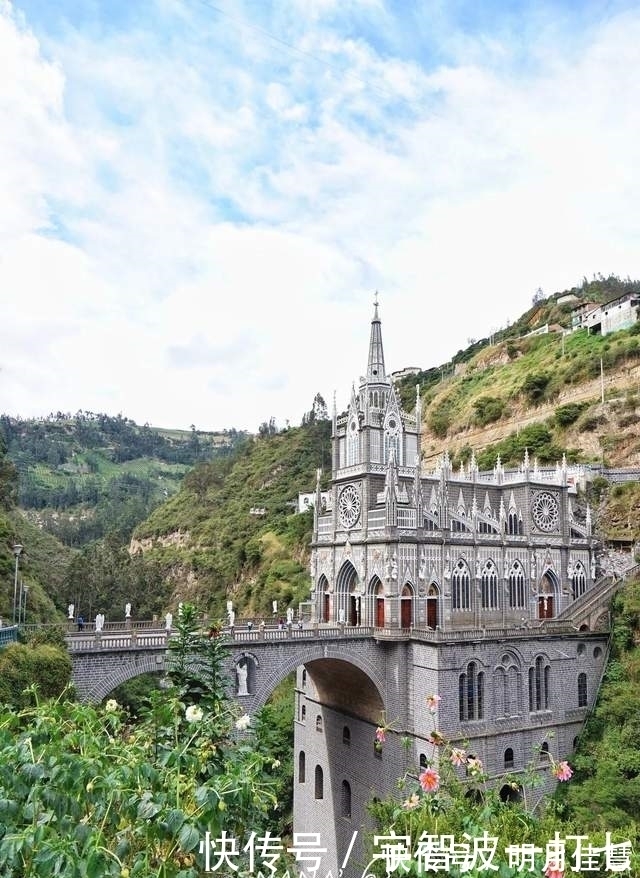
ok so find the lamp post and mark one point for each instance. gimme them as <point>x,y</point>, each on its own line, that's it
<point>17,551</point>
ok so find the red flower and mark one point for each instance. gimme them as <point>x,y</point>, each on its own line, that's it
<point>562,770</point>
<point>429,780</point>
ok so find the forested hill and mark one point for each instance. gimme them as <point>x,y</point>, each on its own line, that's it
<point>83,476</point>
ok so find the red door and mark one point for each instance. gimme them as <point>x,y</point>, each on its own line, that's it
<point>380,612</point>
<point>545,607</point>
<point>432,612</point>
<point>405,613</point>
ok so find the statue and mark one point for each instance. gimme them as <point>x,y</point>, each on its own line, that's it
<point>99,622</point>
<point>422,572</point>
<point>394,567</point>
<point>71,608</point>
<point>242,671</point>
<point>127,611</point>
<point>289,615</point>
<point>168,621</point>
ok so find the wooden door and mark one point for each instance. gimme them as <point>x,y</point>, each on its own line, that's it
<point>405,612</point>
<point>545,607</point>
<point>432,612</point>
<point>380,612</point>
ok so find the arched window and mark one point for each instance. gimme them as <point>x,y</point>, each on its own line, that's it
<point>539,685</point>
<point>303,713</point>
<point>471,693</point>
<point>301,767</point>
<point>582,690</point>
<point>514,523</point>
<point>353,442</point>
<point>304,678</point>
<point>345,800</point>
<point>517,590</point>
<point>508,758</point>
<point>318,723</point>
<point>319,785</point>
<point>423,760</point>
<point>544,750</point>
<point>579,581</point>
<point>461,587</point>
<point>489,587</point>
<point>346,736</point>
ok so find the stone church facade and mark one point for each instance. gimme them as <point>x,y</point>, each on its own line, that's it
<point>459,575</point>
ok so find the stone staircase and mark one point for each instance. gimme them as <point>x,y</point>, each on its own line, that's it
<point>590,608</point>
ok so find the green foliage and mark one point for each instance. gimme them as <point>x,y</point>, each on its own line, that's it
<point>274,738</point>
<point>606,794</point>
<point>439,421</point>
<point>535,385</point>
<point>568,414</point>
<point>488,409</point>
<point>86,795</point>
<point>44,666</point>
<point>108,465</point>
<point>536,438</point>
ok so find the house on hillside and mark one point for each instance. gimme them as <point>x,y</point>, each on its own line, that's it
<point>619,313</point>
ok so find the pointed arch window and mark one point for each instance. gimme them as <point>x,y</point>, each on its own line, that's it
<point>461,587</point>
<point>319,783</point>
<point>353,442</point>
<point>582,690</point>
<point>579,581</point>
<point>471,693</point>
<point>489,587</point>
<point>517,592</point>
<point>514,523</point>
<point>539,685</point>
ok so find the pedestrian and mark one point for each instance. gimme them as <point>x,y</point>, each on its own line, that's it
<point>80,623</point>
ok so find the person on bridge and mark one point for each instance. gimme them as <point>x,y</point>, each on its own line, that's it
<point>80,623</point>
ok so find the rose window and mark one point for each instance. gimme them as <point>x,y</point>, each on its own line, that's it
<point>545,511</point>
<point>349,506</point>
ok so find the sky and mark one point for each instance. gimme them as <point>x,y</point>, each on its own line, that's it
<point>199,200</point>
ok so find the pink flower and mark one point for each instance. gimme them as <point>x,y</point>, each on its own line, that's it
<point>474,765</point>
<point>432,702</point>
<point>458,756</point>
<point>381,735</point>
<point>562,770</point>
<point>436,738</point>
<point>429,780</point>
<point>412,802</point>
<point>552,870</point>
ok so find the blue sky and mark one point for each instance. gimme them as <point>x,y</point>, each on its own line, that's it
<point>198,200</point>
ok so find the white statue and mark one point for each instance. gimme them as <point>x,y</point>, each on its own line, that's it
<point>71,608</point>
<point>394,568</point>
<point>422,572</point>
<point>127,611</point>
<point>168,621</point>
<point>242,671</point>
<point>289,615</point>
<point>341,615</point>
<point>99,622</point>
<point>232,618</point>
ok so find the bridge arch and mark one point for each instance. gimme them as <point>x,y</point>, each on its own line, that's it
<point>151,663</point>
<point>336,675</point>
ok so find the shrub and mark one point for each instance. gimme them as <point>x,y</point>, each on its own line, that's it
<point>488,409</point>
<point>535,386</point>
<point>568,414</point>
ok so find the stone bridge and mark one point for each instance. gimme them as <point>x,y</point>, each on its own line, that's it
<point>103,660</point>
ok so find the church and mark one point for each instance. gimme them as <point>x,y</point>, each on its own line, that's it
<point>466,582</point>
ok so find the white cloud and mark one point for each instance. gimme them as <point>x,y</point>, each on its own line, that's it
<point>194,215</point>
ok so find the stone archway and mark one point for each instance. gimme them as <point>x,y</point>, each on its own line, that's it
<point>406,607</point>
<point>433,595</point>
<point>547,595</point>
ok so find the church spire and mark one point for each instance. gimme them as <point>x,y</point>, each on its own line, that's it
<point>375,366</point>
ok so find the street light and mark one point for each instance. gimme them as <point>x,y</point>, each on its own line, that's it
<point>17,551</point>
